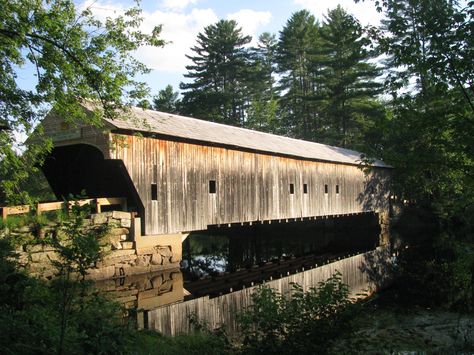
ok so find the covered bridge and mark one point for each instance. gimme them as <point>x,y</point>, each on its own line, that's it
<point>183,174</point>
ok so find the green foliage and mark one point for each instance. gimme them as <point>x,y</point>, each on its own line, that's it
<point>167,100</point>
<point>64,315</point>
<point>299,76</point>
<point>262,111</point>
<point>437,275</point>
<point>427,135</point>
<point>348,81</point>
<point>78,245</point>
<point>307,322</point>
<point>219,72</point>
<point>74,56</point>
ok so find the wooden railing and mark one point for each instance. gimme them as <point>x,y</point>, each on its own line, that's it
<point>53,206</point>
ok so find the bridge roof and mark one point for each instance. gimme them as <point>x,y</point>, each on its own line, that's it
<point>156,122</point>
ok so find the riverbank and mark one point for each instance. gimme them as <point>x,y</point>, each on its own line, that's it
<point>387,328</point>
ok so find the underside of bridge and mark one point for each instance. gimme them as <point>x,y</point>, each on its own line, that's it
<point>81,170</point>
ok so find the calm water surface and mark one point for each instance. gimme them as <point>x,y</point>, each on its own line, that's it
<point>220,260</point>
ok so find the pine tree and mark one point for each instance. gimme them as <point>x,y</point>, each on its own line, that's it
<point>348,80</point>
<point>298,84</point>
<point>167,100</point>
<point>263,105</point>
<point>219,73</point>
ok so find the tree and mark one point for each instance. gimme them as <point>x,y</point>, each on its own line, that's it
<point>429,134</point>
<point>296,48</point>
<point>167,100</point>
<point>348,80</point>
<point>73,56</point>
<point>263,108</point>
<point>219,73</point>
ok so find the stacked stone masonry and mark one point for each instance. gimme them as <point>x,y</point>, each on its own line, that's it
<point>126,252</point>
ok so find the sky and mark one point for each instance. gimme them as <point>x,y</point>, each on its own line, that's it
<point>182,20</point>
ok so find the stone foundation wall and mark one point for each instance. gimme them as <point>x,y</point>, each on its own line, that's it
<point>126,252</point>
<point>145,292</point>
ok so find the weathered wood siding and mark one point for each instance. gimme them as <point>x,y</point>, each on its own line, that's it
<point>249,186</point>
<point>363,273</point>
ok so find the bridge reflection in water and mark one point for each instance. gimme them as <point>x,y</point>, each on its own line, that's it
<point>221,261</point>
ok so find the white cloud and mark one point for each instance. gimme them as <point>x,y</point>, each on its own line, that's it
<point>177,4</point>
<point>364,11</point>
<point>179,30</point>
<point>250,21</point>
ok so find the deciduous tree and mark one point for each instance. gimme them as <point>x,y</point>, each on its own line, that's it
<point>68,55</point>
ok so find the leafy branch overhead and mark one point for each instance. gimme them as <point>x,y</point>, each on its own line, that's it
<point>72,55</point>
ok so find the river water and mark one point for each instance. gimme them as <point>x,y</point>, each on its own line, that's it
<point>223,260</point>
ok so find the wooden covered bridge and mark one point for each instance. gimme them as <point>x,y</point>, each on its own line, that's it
<point>182,174</point>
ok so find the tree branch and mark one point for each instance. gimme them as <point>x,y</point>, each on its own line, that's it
<point>92,79</point>
<point>458,80</point>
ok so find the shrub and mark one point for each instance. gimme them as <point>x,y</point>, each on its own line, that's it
<point>438,274</point>
<point>306,322</point>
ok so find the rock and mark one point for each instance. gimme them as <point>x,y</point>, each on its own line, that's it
<point>38,248</point>
<point>123,237</point>
<point>143,251</point>
<point>125,222</point>
<point>164,251</point>
<point>116,245</point>
<point>143,260</point>
<point>99,218</point>
<point>120,253</point>
<point>121,215</point>
<point>156,259</point>
<point>127,245</point>
<point>43,257</point>
<point>119,231</point>
<point>157,281</point>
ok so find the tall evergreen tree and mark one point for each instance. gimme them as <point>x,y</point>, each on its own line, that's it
<point>167,100</point>
<point>348,80</point>
<point>263,105</point>
<point>219,73</point>
<point>298,83</point>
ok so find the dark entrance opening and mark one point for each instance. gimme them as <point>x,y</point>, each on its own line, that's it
<point>81,169</point>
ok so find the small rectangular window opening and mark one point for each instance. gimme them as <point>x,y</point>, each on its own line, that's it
<point>305,188</point>
<point>337,189</point>
<point>292,189</point>
<point>326,190</point>
<point>154,192</point>
<point>212,186</point>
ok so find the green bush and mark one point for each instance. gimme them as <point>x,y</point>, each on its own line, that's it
<point>63,315</point>
<point>438,274</point>
<point>307,322</point>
